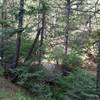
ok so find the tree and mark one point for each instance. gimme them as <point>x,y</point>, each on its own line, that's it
<point>20,27</point>
<point>40,31</point>
<point>98,65</point>
<point>44,10</point>
<point>3,25</point>
<point>67,29</point>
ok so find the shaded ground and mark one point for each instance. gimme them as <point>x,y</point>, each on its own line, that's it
<point>6,84</point>
<point>9,91</point>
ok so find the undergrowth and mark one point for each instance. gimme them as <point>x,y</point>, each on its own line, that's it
<point>79,85</point>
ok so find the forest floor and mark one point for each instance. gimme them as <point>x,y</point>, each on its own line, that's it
<point>93,72</point>
<point>9,91</point>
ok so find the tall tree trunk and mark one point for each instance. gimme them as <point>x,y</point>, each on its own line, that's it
<point>42,36</point>
<point>98,71</point>
<point>3,25</point>
<point>20,27</point>
<point>39,32</point>
<point>90,24</point>
<point>33,45</point>
<point>68,10</point>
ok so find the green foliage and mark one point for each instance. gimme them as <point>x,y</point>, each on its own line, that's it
<point>57,54</point>
<point>6,22</point>
<point>97,33</point>
<point>45,86</point>
<point>10,31</point>
<point>27,75</point>
<point>72,60</point>
<point>25,45</point>
<point>34,79</point>
<point>9,50</point>
<point>31,10</point>
<point>42,91</point>
<point>44,6</point>
<point>15,95</point>
<point>78,85</point>
<point>1,71</point>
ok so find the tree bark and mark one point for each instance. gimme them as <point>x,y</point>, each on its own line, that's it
<point>3,25</point>
<point>42,36</point>
<point>68,10</point>
<point>98,71</point>
<point>20,26</point>
<point>33,45</point>
<point>40,32</point>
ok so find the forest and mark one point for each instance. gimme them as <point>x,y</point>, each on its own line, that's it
<point>49,49</point>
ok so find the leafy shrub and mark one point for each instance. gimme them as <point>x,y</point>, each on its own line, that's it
<point>28,75</point>
<point>26,43</point>
<point>1,71</point>
<point>79,85</point>
<point>57,54</point>
<point>14,95</point>
<point>72,60</point>
<point>34,79</point>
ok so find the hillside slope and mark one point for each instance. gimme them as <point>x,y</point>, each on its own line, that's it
<point>9,91</point>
